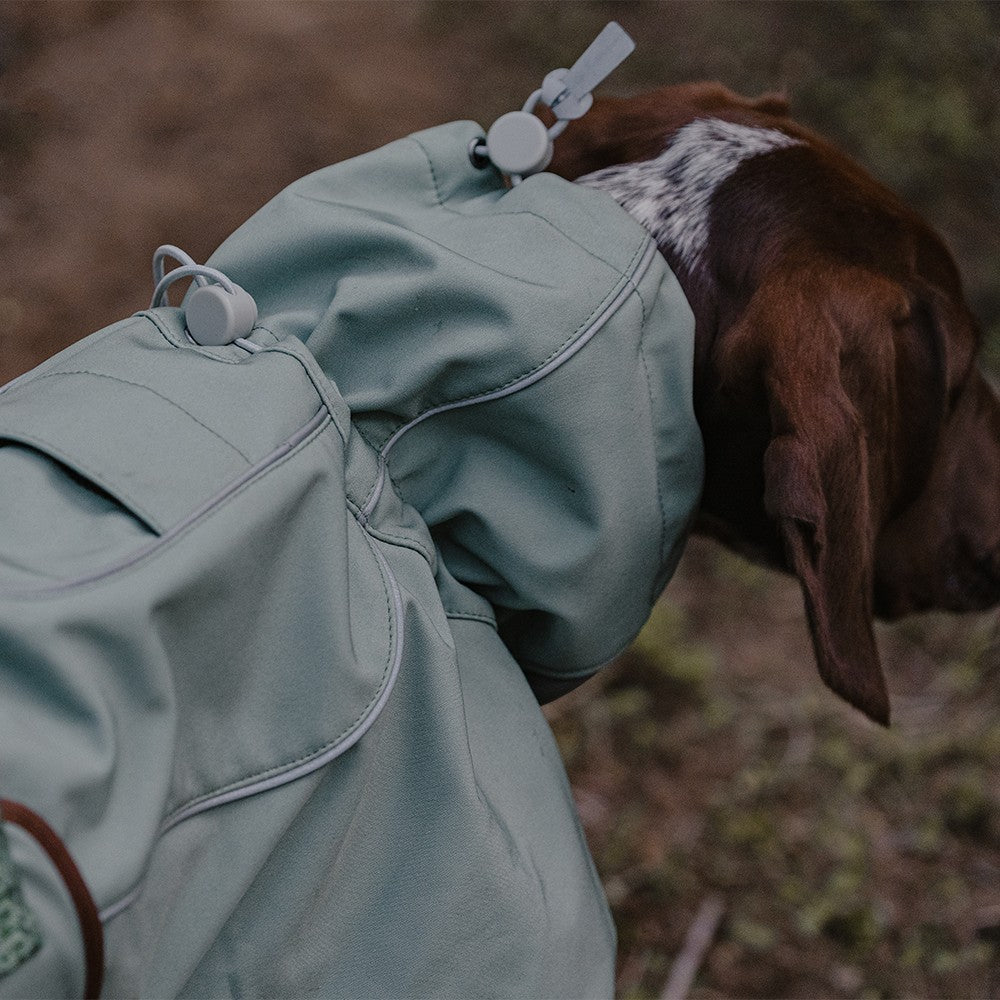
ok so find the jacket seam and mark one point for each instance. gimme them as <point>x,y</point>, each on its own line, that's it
<point>114,329</point>
<point>481,395</point>
<point>209,509</point>
<point>472,616</point>
<point>159,395</point>
<point>443,204</point>
<point>423,236</point>
<point>168,335</point>
<point>400,541</point>
<point>601,315</point>
<point>179,813</point>
<point>272,778</point>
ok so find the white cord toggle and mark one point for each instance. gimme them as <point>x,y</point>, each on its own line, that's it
<point>217,311</point>
<point>518,143</point>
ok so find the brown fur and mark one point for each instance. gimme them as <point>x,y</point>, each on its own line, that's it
<point>849,436</point>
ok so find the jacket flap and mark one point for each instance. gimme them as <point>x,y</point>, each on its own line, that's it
<point>158,425</point>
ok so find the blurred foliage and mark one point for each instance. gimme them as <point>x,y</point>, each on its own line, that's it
<point>855,861</point>
<point>912,90</point>
<point>909,88</point>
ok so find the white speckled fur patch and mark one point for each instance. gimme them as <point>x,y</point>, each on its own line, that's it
<point>671,195</point>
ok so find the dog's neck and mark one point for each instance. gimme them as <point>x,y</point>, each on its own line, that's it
<point>671,194</point>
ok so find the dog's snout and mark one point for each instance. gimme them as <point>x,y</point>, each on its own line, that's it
<point>988,570</point>
<point>974,581</point>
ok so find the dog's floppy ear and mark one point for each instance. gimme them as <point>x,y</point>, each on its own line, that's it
<point>772,104</point>
<point>822,515</point>
<point>818,488</point>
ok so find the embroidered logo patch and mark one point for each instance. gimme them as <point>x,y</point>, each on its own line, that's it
<point>19,932</point>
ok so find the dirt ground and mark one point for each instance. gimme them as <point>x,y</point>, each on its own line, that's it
<point>709,762</point>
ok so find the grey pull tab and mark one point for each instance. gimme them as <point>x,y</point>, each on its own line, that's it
<point>518,144</point>
<point>568,91</point>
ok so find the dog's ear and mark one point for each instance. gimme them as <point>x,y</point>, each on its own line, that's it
<point>772,104</point>
<point>812,493</point>
<point>818,487</point>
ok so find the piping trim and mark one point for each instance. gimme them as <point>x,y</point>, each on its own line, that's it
<point>298,769</point>
<point>560,358</point>
<point>322,416</point>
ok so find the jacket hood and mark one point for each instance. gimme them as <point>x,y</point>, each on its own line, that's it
<point>521,361</point>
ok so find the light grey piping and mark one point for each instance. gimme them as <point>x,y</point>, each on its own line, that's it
<point>488,397</point>
<point>15,381</point>
<point>317,761</point>
<point>112,911</point>
<point>377,491</point>
<point>321,417</point>
<point>302,768</point>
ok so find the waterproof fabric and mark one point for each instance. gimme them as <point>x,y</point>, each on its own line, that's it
<point>274,624</point>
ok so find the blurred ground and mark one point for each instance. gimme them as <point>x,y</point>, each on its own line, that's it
<point>851,861</point>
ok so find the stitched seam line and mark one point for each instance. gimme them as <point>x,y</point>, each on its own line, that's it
<point>312,430</point>
<point>622,281</point>
<point>318,384</point>
<point>438,196</point>
<point>401,541</point>
<point>187,345</point>
<point>374,494</point>
<point>442,204</point>
<point>53,453</point>
<point>473,616</point>
<point>423,236</point>
<point>596,321</point>
<point>114,330</point>
<point>181,812</point>
<point>166,334</point>
<point>513,383</point>
<point>280,347</point>
<point>656,472</point>
<point>166,399</point>
<point>273,778</point>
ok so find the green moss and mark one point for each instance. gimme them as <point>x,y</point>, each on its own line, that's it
<point>966,804</point>
<point>857,929</point>
<point>752,934</point>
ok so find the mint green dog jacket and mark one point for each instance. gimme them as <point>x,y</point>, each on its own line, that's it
<point>275,623</point>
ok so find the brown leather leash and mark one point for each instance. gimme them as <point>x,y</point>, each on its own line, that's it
<point>86,910</point>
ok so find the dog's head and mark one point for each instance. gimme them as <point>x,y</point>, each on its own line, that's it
<point>848,434</point>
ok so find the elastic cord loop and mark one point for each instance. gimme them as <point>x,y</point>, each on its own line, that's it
<point>168,250</point>
<point>192,270</point>
<point>532,102</point>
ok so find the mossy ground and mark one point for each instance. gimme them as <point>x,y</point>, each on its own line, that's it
<point>852,860</point>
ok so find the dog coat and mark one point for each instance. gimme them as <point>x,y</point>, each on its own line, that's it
<point>275,619</point>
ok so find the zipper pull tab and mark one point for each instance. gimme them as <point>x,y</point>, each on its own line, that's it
<point>568,92</point>
<point>518,144</point>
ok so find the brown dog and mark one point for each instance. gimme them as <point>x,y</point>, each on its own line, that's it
<point>848,435</point>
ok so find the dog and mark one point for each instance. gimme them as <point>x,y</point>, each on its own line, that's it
<point>849,437</point>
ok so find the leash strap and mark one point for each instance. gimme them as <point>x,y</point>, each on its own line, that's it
<point>86,910</point>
